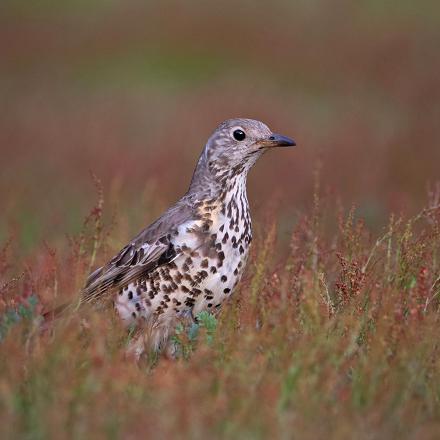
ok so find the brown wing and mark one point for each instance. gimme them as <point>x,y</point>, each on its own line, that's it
<point>153,247</point>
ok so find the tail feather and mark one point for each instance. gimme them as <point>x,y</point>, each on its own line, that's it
<point>57,312</point>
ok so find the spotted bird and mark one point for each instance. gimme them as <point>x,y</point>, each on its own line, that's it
<point>193,256</point>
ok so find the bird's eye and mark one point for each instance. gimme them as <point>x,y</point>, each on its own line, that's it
<point>239,135</point>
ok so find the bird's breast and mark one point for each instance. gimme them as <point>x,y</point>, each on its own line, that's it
<point>213,251</point>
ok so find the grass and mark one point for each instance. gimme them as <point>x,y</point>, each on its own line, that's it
<point>336,336</point>
<point>333,332</point>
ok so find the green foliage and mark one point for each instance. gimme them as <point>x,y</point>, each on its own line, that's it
<point>186,338</point>
<point>25,311</point>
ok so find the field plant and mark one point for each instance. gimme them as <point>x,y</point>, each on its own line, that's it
<point>334,335</point>
<point>333,332</point>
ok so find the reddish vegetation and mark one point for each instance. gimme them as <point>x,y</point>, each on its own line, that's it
<point>334,332</point>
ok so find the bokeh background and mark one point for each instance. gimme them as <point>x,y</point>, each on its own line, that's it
<point>333,332</point>
<point>130,91</point>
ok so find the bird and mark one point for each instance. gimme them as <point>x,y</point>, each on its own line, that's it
<point>193,256</point>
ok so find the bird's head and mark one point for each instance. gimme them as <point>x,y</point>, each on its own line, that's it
<point>235,146</point>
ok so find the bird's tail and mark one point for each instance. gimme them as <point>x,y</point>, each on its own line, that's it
<point>58,312</point>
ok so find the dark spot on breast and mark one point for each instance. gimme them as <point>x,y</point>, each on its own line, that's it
<point>225,238</point>
<point>138,307</point>
<point>196,292</point>
<point>213,269</point>
<point>130,295</point>
<point>189,302</point>
<point>204,263</point>
<point>227,290</point>
<point>224,278</point>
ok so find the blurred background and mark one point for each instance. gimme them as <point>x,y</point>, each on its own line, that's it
<point>131,90</point>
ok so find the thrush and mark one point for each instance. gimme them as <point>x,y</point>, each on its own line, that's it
<point>193,256</point>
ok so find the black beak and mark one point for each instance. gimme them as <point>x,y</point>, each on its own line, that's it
<point>278,140</point>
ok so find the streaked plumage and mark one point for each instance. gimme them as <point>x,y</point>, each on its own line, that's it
<point>192,257</point>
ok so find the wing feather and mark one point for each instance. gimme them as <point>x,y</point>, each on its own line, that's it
<point>153,247</point>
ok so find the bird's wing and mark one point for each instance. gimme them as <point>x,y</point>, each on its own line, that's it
<point>153,247</point>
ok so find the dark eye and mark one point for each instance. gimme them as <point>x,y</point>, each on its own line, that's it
<point>239,135</point>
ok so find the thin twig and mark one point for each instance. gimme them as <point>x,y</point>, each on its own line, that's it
<point>415,219</point>
<point>12,281</point>
<point>376,245</point>
<point>327,299</point>
<point>432,295</point>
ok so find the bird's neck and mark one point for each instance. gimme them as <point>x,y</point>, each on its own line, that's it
<point>211,181</point>
<point>234,188</point>
<point>226,191</point>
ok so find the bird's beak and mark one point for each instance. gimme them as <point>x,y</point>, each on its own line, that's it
<point>278,140</point>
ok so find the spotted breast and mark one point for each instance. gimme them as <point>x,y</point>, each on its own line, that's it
<point>211,253</point>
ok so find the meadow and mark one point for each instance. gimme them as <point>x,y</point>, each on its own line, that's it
<point>333,332</point>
